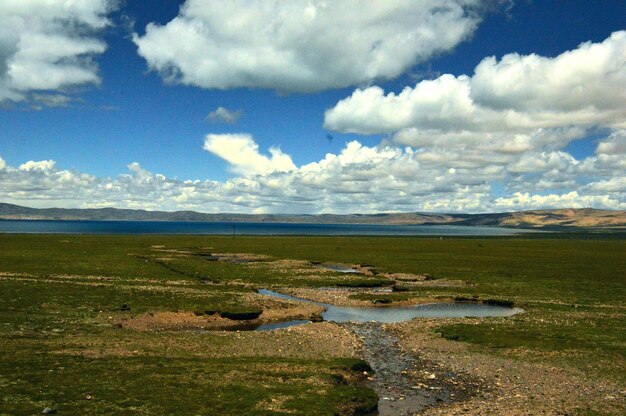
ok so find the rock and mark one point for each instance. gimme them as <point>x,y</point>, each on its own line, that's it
<point>49,411</point>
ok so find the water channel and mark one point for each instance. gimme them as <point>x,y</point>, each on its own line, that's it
<point>399,394</point>
<point>390,314</point>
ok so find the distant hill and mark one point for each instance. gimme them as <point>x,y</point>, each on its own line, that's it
<point>581,218</point>
<point>558,218</point>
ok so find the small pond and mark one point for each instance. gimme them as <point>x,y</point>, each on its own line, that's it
<point>389,314</point>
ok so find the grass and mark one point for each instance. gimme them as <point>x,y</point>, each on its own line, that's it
<point>173,385</point>
<point>59,345</point>
<point>570,270</point>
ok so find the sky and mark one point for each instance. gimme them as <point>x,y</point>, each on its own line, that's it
<point>311,106</point>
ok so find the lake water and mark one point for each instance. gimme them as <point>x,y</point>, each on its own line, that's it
<point>388,314</point>
<point>245,228</point>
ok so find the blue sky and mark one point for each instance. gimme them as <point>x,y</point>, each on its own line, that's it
<point>368,106</point>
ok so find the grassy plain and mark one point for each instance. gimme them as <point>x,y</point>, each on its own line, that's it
<point>61,297</point>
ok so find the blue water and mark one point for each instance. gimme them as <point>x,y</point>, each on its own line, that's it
<point>244,228</point>
<point>389,314</point>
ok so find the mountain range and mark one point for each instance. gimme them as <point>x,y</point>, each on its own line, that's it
<point>555,218</point>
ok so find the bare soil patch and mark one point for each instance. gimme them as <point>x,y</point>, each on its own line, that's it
<point>315,340</point>
<point>273,311</point>
<point>342,297</point>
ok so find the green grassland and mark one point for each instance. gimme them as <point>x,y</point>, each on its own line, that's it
<point>58,292</point>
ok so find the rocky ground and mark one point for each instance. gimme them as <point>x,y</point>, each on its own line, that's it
<point>506,386</point>
<point>407,384</point>
<point>416,371</point>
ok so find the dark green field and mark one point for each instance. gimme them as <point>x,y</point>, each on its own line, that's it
<point>57,293</point>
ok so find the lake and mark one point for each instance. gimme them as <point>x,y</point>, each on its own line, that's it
<point>246,228</point>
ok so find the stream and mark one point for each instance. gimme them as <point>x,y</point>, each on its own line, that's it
<point>390,314</point>
<point>399,393</point>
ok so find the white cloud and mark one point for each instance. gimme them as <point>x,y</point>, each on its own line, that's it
<point>516,95</point>
<point>41,166</point>
<point>613,185</point>
<point>357,179</point>
<point>542,162</point>
<point>49,46</point>
<point>589,80</point>
<point>242,153</point>
<point>615,144</point>
<point>511,123</point>
<point>431,105</point>
<point>525,201</point>
<point>224,115</point>
<point>610,157</point>
<point>302,45</point>
<point>49,100</point>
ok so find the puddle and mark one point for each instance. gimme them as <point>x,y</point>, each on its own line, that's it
<point>389,314</point>
<point>278,325</point>
<point>252,326</point>
<point>339,268</point>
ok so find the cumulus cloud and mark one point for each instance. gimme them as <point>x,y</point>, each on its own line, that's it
<point>525,201</point>
<point>242,153</point>
<point>49,46</point>
<point>511,122</point>
<point>302,45</point>
<point>41,166</point>
<point>542,162</point>
<point>516,95</point>
<point>613,185</point>
<point>615,144</point>
<point>588,80</point>
<point>357,179</point>
<point>224,115</point>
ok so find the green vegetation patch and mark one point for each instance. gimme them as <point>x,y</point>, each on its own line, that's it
<point>591,339</point>
<point>165,385</point>
<point>362,282</point>
<point>59,297</point>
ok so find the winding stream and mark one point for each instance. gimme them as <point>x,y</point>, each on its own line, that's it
<point>400,394</point>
